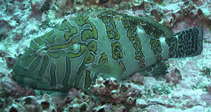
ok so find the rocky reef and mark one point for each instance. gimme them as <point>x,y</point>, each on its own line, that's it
<point>185,88</point>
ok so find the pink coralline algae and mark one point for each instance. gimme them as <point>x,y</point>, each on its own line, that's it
<point>32,103</point>
<point>186,86</point>
<point>110,91</point>
<point>174,76</point>
<point>77,101</point>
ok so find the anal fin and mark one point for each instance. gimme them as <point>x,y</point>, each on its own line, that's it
<point>106,70</point>
<point>157,69</point>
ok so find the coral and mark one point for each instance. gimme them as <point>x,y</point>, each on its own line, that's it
<point>32,103</point>
<point>174,76</point>
<point>110,91</point>
<point>208,88</point>
<point>206,71</point>
<point>158,1</point>
<point>77,101</point>
<point>62,3</point>
<point>10,61</point>
<point>137,79</point>
<point>45,7</point>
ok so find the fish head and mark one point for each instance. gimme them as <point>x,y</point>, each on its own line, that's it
<point>49,66</point>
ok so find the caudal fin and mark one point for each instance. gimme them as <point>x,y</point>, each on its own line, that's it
<point>186,43</point>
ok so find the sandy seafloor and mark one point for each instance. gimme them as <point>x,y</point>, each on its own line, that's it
<point>187,86</point>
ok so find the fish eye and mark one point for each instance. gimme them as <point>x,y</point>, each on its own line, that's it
<point>76,47</point>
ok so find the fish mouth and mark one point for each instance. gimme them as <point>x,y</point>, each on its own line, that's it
<point>25,81</point>
<point>27,78</point>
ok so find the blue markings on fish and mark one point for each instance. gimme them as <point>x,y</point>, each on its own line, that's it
<point>103,43</point>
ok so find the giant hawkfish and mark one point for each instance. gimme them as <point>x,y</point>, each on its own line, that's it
<point>102,43</point>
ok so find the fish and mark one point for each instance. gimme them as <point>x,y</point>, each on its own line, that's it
<point>102,43</point>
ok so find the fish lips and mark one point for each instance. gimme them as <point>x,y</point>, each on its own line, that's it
<point>23,76</point>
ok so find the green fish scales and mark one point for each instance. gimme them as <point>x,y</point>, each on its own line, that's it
<point>102,43</point>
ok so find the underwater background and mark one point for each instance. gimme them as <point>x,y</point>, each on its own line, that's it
<point>187,86</point>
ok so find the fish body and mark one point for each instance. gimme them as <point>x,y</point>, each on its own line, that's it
<point>102,43</point>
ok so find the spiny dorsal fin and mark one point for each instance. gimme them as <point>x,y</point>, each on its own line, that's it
<point>155,23</point>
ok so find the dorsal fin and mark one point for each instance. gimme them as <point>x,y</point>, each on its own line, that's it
<point>155,23</point>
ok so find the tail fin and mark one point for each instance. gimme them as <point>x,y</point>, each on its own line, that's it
<point>186,43</point>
